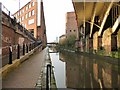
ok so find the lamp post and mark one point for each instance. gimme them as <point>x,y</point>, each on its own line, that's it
<point>19,11</point>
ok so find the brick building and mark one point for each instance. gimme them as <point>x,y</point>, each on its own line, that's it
<point>31,16</point>
<point>41,35</point>
<point>71,24</point>
<point>28,16</point>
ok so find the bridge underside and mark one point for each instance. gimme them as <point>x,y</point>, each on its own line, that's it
<point>98,21</point>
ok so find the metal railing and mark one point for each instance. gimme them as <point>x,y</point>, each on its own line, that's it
<point>10,53</point>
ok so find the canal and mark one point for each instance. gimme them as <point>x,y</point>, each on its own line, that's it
<point>81,71</point>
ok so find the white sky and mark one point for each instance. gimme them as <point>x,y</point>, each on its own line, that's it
<point>55,14</point>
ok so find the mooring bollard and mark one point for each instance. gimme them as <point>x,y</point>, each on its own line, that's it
<point>10,55</point>
<point>26,48</point>
<point>23,49</point>
<point>48,76</point>
<point>29,47</point>
<point>18,52</point>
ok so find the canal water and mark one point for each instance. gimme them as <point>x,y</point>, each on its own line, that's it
<point>79,71</point>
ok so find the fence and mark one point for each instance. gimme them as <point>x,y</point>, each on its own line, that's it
<point>11,53</point>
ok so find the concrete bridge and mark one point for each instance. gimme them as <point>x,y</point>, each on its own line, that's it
<point>99,25</point>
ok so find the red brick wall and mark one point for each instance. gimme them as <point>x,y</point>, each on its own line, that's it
<point>8,36</point>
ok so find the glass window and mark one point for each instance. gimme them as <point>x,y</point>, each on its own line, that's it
<point>22,18</point>
<point>33,3</point>
<point>16,15</point>
<point>25,25</point>
<point>29,5</point>
<point>23,10</point>
<point>29,14</point>
<point>32,12</point>
<point>26,15</point>
<point>26,7</point>
<point>31,21</point>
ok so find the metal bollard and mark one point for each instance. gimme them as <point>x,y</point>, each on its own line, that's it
<point>29,47</point>
<point>26,48</point>
<point>48,77</point>
<point>23,49</point>
<point>18,52</point>
<point>10,55</point>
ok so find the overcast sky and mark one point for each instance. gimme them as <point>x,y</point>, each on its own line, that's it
<point>55,14</point>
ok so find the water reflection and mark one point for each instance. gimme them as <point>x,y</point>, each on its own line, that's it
<point>86,72</point>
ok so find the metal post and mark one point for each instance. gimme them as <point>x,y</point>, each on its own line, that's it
<point>19,10</point>
<point>29,47</point>
<point>18,52</point>
<point>9,18</point>
<point>23,49</point>
<point>26,48</point>
<point>48,77</point>
<point>10,55</point>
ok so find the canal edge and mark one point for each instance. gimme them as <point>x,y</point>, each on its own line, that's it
<point>41,82</point>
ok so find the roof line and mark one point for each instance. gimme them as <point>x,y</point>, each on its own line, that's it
<point>22,7</point>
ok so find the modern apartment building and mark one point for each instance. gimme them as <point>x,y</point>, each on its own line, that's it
<point>28,16</point>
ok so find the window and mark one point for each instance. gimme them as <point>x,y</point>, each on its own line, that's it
<point>32,32</point>
<point>25,25</point>
<point>26,15</point>
<point>29,14</point>
<point>29,5</point>
<point>22,18</point>
<point>74,30</point>
<point>32,12</point>
<point>33,3</point>
<point>26,8</point>
<point>18,14</point>
<point>18,20</point>
<point>31,21</point>
<point>23,11</point>
<point>70,30</point>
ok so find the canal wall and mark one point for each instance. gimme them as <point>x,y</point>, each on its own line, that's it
<point>108,59</point>
<point>4,71</point>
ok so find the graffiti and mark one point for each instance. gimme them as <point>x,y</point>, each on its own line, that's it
<point>20,40</point>
<point>6,39</point>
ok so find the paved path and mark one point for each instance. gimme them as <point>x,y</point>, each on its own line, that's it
<point>26,75</point>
